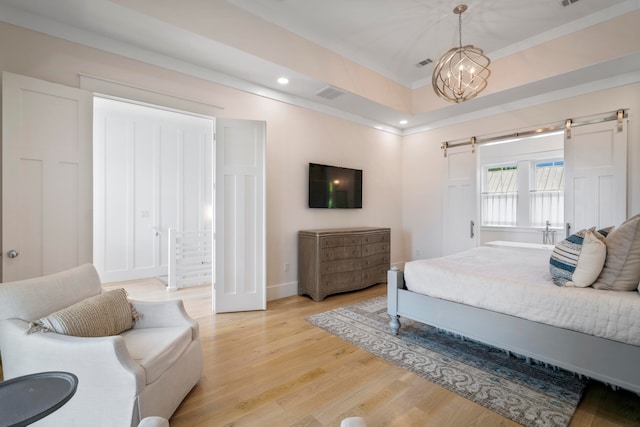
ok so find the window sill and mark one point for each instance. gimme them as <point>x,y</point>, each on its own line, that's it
<point>504,244</point>
<point>519,229</point>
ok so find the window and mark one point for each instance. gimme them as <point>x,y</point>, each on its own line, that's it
<point>500,198</point>
<point>547,196</point>
<point>526,194</point>
<point>522,182</point>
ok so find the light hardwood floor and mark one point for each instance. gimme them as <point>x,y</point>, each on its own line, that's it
<point>273,368</point>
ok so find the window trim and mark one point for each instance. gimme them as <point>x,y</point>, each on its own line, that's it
<point>526,169</point>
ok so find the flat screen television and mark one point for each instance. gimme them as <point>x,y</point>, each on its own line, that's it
<point>334,187</point>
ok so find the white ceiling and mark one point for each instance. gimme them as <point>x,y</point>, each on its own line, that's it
<point>388,37</point>
<point>391,37</point>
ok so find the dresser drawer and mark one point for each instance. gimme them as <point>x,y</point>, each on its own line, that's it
<point>375,248</point>
<point>375,260</point>
<point>340,266</point>
<point>344,252</point>
<point>375,238</point>
<point>341,282</point>
<point>333,242</point>
<point>374,275</point>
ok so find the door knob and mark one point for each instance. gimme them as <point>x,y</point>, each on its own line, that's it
<point>12,253</point>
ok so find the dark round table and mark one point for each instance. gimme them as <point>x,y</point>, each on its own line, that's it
<point>26,399</point>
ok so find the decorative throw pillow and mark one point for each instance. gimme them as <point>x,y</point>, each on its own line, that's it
<point>107,314</point>
<point>605,231</point>
<point>578,259</point>
<point>621,270</point>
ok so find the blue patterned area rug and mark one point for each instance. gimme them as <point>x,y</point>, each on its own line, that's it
<point>529,394</point>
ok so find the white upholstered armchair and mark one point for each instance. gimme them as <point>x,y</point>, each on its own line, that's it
<point>142,372</point>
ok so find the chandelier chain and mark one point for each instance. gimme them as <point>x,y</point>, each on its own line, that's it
<point>460,29</point>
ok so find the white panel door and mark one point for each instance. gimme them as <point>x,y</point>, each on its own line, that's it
<point>595,176</point>
<point>460,200</point>
<point>240,276</point>
<point>46,177</point>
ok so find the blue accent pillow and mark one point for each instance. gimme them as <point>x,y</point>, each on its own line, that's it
<point>578,260</point>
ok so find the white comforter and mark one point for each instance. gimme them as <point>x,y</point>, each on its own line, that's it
<point>516,281</point>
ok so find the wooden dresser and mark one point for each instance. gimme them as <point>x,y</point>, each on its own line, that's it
<point>339,260</point>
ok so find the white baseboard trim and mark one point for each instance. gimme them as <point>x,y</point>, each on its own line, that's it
<point>282,290</point>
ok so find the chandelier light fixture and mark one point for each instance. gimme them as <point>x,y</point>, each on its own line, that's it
<point>462,72</point>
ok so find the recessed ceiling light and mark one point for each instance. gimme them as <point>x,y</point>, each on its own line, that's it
<point>283,80</point>
<point>404,122</point>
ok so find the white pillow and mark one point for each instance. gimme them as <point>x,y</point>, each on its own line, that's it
<point>577,260</point>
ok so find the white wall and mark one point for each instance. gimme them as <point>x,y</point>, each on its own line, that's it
<point>422,158</point>
<point>295,137</point>
<point>310,137</point>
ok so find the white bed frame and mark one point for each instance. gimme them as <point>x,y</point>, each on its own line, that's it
<point>614,363</point>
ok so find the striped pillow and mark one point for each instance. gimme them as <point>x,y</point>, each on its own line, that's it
<point>577,261</point>
<point>102,315</point>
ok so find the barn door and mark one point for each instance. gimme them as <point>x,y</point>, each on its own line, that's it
<point>595,175</point>
<point>460,200</point>
<point>240,276</point>
<point>46,177</point>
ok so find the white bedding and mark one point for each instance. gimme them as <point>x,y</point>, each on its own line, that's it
<point>516,281</point>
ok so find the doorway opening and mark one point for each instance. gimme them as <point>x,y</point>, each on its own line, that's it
<point>153,173</point>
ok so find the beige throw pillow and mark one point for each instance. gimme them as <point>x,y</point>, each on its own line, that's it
<point>621,271</point>
<point>107,314</point>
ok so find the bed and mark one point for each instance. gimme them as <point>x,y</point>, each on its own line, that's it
<point>505,297</point>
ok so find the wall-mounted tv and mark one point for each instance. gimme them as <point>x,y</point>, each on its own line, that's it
<point>334,187</point>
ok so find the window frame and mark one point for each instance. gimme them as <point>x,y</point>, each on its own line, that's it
<point>525,153</point>
<point>532,188</point>
<point>484,183</point>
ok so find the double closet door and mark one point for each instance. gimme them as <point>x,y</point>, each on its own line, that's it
<point>595,165</point>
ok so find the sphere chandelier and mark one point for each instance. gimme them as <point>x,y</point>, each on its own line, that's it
<point>463,71</point>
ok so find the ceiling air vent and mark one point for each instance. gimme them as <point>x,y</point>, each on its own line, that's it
<point>329,93</point>
<point>425,62</point>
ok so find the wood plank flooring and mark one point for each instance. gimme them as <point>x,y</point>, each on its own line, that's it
<point>273,368</point>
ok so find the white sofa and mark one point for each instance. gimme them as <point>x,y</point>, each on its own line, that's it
<point>143,372</point>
